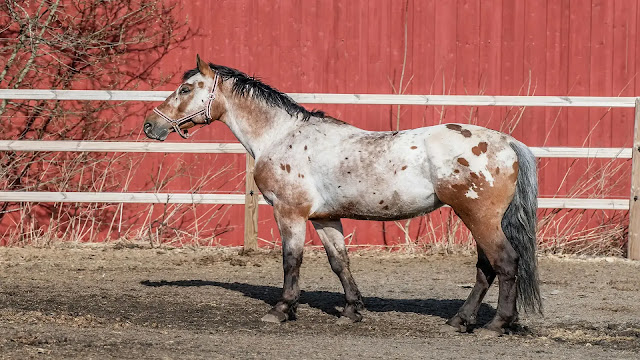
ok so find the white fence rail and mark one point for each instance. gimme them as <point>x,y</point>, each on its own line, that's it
<point>238,199</point>
<point>356,99</point>
<point>235,148</point>
<point>370,99</point>
<point>127,197</point>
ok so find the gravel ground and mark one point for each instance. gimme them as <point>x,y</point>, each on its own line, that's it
<point>119,302</point>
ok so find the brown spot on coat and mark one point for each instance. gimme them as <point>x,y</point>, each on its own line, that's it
<point>305,147</point>
<point>479,149</point>
<point>381,202</point>
<point>454,127</point>
<point>463,161</point>
<point>414,147</point>
<point>404,167</point>
<point>386,207</point>
<point>288,168</point>
<point>458,128</point>
<point>282,166</point>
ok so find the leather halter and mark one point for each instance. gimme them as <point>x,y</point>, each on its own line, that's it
<point>189,118</point>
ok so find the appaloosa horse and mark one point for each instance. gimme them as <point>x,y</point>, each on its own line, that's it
<point>310,166</point>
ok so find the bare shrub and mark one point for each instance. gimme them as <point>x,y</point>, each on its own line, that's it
<point>76,44</point>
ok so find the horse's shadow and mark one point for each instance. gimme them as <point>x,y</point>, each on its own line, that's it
<point>328,301</point>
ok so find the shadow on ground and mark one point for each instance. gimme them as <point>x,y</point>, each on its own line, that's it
<point>328,301</point>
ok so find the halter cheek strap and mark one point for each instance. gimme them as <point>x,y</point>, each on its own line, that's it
<point>189,118</point>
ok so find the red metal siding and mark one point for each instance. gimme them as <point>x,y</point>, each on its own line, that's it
<point>489,47</point>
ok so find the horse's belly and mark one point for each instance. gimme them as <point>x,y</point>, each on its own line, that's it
<point>380,204</point>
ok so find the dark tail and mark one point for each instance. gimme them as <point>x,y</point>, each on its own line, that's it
<point>519,225</point>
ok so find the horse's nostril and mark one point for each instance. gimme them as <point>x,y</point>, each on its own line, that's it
<point>147,127</point>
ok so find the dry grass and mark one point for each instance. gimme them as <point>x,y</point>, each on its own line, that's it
<point>37,224</point>
<point>589,232</point>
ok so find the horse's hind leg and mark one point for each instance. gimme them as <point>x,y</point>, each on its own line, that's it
<point>465,319</point>
<point>503,259</point>
<point>330,232</point>
<point>292,230</point>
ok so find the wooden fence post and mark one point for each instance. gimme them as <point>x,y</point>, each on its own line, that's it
<point>250,207</point>
<point>633,249</point>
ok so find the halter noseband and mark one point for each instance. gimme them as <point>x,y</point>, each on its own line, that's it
<point>189,118</point>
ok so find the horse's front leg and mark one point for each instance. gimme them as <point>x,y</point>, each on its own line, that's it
<point>292,230</point>
<point>330,232</point>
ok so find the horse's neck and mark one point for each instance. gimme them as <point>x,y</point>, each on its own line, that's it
<point>257,125</point>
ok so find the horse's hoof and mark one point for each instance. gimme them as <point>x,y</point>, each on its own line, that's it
<point>270,318</point>
<point>459,325</point>
<point>449,329</point>
<point>343,320</point>
<point>488,333</point>
<point>351,315</point>
<point>274,317</point>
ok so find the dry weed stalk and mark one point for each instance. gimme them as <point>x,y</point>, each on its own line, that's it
<point>182,224</point>
<point>590,232</point>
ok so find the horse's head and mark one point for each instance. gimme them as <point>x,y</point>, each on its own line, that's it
<point>190,105</point>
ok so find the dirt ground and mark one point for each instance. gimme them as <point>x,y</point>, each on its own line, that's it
<point>118,302</point>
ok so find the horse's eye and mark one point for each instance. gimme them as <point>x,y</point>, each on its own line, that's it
<point>184,90</point>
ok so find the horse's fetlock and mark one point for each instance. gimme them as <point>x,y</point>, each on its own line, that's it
<point>359,304</point>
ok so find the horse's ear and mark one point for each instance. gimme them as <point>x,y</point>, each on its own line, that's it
<point>203,67</point>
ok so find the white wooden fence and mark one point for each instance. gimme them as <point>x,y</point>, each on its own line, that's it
<point>379,99</point>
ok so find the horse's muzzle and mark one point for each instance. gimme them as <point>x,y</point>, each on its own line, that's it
<point>154,131</point>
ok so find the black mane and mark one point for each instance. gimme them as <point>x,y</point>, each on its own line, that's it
<point>244,84</point>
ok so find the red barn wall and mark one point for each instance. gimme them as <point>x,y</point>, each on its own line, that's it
<point>491,47</point>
